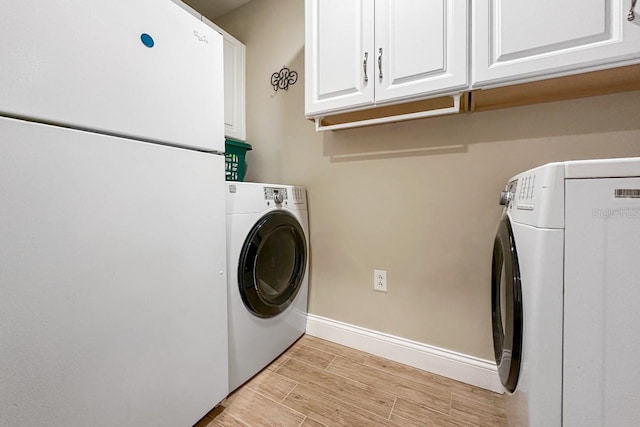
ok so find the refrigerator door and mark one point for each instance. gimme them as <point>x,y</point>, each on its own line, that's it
<point>112,280</point>
<point>144,69</point>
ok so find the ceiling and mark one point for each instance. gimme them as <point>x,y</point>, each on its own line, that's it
<point>215,8</point>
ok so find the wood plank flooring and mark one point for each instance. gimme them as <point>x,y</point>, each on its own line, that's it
<point>318,383</point>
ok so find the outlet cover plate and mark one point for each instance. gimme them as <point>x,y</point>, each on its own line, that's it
<point>380,280</point>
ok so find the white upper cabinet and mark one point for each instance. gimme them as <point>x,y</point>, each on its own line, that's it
<point>421,48</point>
<point>234,52</point>
<point>338,54</point>
<point>524,40</point>
<point>361,53</point>
<point>234,88</point>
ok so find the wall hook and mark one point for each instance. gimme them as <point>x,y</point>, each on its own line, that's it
<point>283,79</point>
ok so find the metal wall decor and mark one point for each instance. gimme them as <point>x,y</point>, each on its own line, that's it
<point>283,79</point>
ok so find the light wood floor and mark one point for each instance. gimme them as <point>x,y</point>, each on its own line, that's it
<point>318,383</point>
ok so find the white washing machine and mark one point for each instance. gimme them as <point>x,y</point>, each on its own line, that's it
<point>566,294</point>
<point>267,256</point>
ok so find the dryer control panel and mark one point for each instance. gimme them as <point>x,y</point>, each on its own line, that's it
<point>251,197</point>
<point>288,196</point>
<point>277,194</point>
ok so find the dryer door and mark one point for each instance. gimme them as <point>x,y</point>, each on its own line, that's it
<point>506,306</point>
<point>272,264</point>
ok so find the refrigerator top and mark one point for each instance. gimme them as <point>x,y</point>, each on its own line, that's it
<point>142,69</point>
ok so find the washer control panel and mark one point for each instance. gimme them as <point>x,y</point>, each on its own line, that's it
<point>519,193</point>
<point>536,196</point>
<point>277,194</point>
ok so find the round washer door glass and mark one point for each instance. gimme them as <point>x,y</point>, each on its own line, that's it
<point>506,306</point>
<point>272,264</point>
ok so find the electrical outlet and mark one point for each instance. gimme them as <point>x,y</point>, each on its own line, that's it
<point>380,280</point>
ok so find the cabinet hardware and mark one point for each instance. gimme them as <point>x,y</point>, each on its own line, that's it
<point>632,15</point>
<point>380,61</point>
<point>364,66</point>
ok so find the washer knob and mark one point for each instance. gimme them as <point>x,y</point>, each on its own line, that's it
<point>278,198</point>
<point>505,197</point>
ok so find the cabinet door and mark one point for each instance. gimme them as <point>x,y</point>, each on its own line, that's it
<point>339,57</point>
<point>234,52</point>
<point>421,47</point>
<point>234,81</point>
<point>521,40</point>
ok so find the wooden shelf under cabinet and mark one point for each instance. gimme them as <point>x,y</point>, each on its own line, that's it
<point>613,80</point>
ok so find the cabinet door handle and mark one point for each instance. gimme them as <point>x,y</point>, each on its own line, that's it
<point>380,61</point>
<point>632,15</point>
<point>364,66</point>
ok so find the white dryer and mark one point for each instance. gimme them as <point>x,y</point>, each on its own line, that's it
<point>267,256</point>
<point>566,292</point>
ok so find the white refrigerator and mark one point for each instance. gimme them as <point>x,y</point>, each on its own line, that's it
<point>112,220</point>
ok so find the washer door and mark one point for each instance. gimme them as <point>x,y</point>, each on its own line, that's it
<point>272,264</point>
<point>506,306</point>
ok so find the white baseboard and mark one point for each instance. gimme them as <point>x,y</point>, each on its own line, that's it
<point>457,366</point>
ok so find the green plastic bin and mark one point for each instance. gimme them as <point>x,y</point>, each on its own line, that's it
<point>234,156</point>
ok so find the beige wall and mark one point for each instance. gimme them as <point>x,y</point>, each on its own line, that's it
<point>428,219</point>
